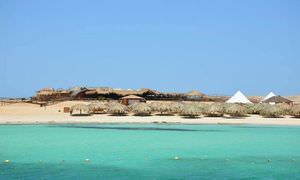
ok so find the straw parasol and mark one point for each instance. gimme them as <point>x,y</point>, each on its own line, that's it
<point>201,106</point>
<point>176,107</point>
<point>115,108</point>
<point>271,112</point>
<point>235,110</point>
<point>255,108</point>
<point>295,111</point>
<point>191,110</point>
<point>161,107</point>
<point>286,108</point>
<point>80,109</point>
<point>98,108</point>
<point>141,109</point>
<point>214,110</point>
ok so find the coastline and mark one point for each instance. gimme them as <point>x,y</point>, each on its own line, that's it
<point>107,119</point>
<point>22,114</point>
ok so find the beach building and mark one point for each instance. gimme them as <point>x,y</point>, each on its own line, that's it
<point>194,95</point>
<point>48,94</point>
<point>239,97</point>
<point>271,94</point>
<point>277,100</point>
<point>131,99</point>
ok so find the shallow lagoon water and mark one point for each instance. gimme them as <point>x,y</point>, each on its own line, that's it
<point>149,151</point>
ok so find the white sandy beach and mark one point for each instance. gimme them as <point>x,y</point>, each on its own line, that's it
<point>22,113</point>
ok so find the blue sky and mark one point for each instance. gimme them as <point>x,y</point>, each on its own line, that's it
<point>213,46</point>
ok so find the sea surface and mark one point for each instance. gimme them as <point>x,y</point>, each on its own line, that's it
<point>149,151</point>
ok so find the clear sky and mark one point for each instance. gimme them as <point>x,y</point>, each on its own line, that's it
<point>213,46</point>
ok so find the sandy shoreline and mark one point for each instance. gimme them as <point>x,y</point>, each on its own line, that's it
<point>33,114</point>
<point>106,119</point>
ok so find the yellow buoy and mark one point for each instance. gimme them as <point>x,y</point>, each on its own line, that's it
<point>87,160</point>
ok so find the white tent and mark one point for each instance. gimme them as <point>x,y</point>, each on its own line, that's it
<point>271,94</point>
<point>239,97</point>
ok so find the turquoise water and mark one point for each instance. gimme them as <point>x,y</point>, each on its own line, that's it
<point>148,152</point>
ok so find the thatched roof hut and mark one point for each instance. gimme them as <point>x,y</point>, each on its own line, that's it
<point>111,93</point>
<point>50,94</point>
<point>80,109</point>
<point>277,100</point>
<point>141,109</point>
<point>131,99</point>
<point>194,95</point>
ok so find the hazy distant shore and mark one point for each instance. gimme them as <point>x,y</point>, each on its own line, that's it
<point>22,113</point>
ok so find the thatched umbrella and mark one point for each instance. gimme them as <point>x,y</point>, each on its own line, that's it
<point>202,107</point>
<point>176,107</point>
<point>235,110</point>
<point>141,109</point>
<point>255,108</point>
<point>295,111</point>
<point>115,108</point>
<point>80,109</point>
<point>286,108</point>
<point>98,108</point>
<point>271,111</point>
<point>191,110</point>
<point>214,110</point>
<point>161,107</point>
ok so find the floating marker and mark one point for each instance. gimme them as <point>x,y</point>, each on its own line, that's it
<point>7,161</point>
<point>87,160</point>
<point>176,158</point>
